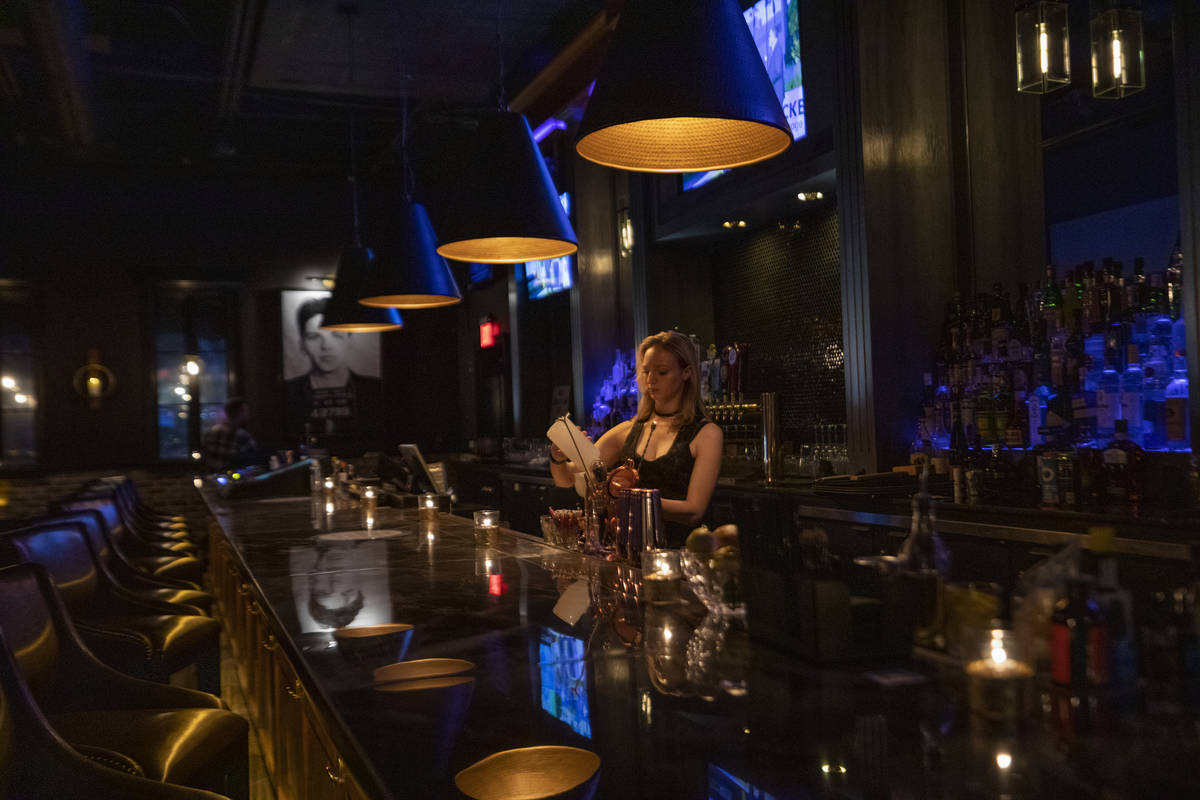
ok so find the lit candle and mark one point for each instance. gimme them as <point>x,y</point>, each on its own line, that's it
<point>328,488</point>
<point>998,681</point>
<point>486,523</point>
<point>428,507</point>
<point>660,576</point>
<point>369,504</point>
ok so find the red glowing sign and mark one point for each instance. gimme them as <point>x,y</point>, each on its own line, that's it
<point>496,585</point>
<point>489,331</point>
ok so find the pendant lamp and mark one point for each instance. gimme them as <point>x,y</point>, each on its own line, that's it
<point>506,209</point>
<point>344,313</point>
<point>414,276</point>
<point>683,89</point>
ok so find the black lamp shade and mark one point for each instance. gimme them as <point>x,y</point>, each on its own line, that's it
<point>414,275</point>
<point>344,313</point>
<point>506,209</point>
<point>682,89</point>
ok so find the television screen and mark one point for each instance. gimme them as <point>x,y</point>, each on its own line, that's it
<point>544,278</point>
<point>563,674</point>
<point>775,26</point>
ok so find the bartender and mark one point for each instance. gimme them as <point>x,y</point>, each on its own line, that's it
<point>673,445</point>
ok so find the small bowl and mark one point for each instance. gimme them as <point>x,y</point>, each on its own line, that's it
<point>532,773</point>
<point>374,643</point>
<point>422,668</point>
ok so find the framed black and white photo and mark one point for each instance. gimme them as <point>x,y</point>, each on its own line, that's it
<point>332,379</point>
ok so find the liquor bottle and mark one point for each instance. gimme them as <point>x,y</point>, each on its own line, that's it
<point>1051,305</point>
<point>1154,415</point>
<point>1108,397</point>
<point>714,373</point>
<point>998,477</point>
<point>1037,402</point>
<point>1001,322</point>
<point>1018,336</point>
<point>1078,639</point>
<point>959,454</point>
<point>926,564</point>
<point>1175,409</point>
<point>1002,401</point>
<point>730,376</point>
<point>1124,471</point>
<point>1137,293</point>
<point>1133,395</point>
<point>1115,604</point>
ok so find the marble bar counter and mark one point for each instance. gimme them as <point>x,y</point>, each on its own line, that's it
<point>677,704</point>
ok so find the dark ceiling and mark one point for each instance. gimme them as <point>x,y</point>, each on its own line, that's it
<point>259,84</point>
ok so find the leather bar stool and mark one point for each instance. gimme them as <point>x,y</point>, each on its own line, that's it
<point>36,764</point>
<point>118,522</point>
<point>165,733</point>
<point>123,572</point>
<point>142,637</point>
<point>158,559</point>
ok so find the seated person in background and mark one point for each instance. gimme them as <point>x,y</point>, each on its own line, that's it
<point>228,444</point>
<point>672,443</point>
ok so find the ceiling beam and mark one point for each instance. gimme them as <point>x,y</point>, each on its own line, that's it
<point>57,30</point>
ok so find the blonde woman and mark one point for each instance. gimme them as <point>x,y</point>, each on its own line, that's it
<point>674,446</point>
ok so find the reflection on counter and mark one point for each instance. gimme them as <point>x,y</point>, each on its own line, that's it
<point>336,585</point>
<point>562,671</point>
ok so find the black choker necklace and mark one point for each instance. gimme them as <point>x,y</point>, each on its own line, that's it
<point>665,416</point>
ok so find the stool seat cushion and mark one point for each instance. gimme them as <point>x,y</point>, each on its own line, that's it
<point>171,640</point>
<point>168,745</point>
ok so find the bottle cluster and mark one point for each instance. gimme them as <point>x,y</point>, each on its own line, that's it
<point>723,372</point>
<point>1090,361</point>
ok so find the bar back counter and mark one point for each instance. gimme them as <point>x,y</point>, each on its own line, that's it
<point>518,644</point>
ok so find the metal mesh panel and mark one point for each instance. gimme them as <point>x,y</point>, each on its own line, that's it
<point>779,291</point>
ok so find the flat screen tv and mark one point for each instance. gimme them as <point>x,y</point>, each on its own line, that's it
<point>544,278</point>
<point>775,25</point>
<point>563,673</point>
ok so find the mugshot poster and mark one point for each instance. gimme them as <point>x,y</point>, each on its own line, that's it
<point>332,379</point>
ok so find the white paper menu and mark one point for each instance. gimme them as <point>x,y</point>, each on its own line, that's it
<point>577,447</point>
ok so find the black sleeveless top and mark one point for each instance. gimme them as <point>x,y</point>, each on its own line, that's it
<point>670,473</point>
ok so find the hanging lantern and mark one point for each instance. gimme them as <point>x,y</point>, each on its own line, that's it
<point>1043,47</point>
<point>1118,57</point>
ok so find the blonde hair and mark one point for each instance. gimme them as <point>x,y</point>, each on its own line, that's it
<point>691,407</point>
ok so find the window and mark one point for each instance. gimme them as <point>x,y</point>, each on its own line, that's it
<point>194,364</point>
<point>18,389</point>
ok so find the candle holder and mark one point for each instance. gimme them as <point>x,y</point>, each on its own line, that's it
<point>999,677</point>
<point>487,522</point>
<point>660,576</point>
<point>428,507</point>
<point>369,504</point>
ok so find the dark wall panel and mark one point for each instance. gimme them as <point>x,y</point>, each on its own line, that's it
<point>780,293</point>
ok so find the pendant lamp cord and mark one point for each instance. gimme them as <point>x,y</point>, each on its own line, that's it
<point>405,168</point>
<point>349,10</point>
<point>500,102</point>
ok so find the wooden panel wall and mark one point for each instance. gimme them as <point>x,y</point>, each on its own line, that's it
<point>1000,180</point>
<point>898,203</point>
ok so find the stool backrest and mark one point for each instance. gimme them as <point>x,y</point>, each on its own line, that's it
<point>63,550</point>
<point>29,626</point>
